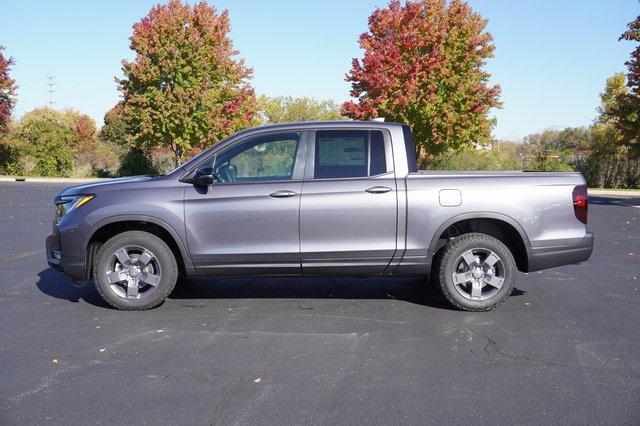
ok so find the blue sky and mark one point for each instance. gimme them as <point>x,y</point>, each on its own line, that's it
<point>552,57</point>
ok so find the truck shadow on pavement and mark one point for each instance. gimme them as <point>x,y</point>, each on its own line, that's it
<point>54,284</point>
<point>411,290</point>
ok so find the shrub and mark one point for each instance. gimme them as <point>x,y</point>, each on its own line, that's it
<point>46,143</point>
<point>284,109</point>
<point>10,163</point>
<point>49,141</point>
<point>103,159</point>
<point>499,157</point>
<point>134,162</point>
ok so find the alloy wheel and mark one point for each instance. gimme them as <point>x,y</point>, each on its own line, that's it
<point>478,274</point>
<point>133,272</point>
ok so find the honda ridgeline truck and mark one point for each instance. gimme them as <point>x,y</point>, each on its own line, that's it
<point>319,198</point>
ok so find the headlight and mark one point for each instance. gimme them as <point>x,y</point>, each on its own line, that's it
<point>65,203</point>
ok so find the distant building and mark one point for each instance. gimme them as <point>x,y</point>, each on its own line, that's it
<point>483,146</point>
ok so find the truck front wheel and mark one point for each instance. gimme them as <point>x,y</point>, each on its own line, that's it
<point>135,270</point>
<point>475,272</point>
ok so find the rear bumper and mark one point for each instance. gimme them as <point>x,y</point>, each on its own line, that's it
<point>566,253</point>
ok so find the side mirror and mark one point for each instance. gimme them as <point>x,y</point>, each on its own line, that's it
<point>204,177</point>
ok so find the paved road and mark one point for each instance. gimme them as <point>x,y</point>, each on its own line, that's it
<point>564,348</point>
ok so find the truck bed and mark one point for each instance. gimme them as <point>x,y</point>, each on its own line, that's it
<point>496,173</point>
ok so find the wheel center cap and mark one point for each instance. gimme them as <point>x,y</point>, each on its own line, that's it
<point>477,273</point>
<point>134,271</point>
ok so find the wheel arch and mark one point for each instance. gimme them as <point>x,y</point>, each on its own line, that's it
<point>497,225</point>
<point>103,230</point>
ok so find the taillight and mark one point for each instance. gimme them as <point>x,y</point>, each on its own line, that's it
<point>581,203</point>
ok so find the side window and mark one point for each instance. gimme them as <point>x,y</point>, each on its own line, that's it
<point>378,163</point>
<point>349,153</point>
<point>410,148</point>
<point>263,158</point>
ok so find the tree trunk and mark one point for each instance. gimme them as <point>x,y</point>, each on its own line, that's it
<point>421,155</point>
<point>176,159</point>
<point>177,154</point>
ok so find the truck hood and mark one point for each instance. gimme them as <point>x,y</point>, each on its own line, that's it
<point>93,187</point>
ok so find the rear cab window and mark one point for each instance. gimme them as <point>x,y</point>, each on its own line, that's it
<point>410,148</point>
<point>349,154</point>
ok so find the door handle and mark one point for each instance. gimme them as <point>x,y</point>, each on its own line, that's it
<point>282,194</point>
<point>378,189</point>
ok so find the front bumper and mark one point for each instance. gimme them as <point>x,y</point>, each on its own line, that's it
<point>61,246</point>
<point>54,254</point>
<point>566,253</point>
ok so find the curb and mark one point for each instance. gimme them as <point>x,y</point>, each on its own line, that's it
<point>615,192</point>
<point>46,179</point>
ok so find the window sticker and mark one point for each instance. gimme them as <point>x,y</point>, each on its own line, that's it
<point>341,151</point>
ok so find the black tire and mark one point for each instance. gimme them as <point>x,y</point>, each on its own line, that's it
<point>164,260</point>
<point>449,261</point>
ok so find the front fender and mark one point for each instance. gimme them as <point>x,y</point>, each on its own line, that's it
<point>95,227</point>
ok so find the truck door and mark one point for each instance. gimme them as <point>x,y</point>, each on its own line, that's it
<point>248,222</point>
<point>349,207</point>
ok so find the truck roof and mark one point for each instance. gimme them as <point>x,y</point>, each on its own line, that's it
<point>326,123</point>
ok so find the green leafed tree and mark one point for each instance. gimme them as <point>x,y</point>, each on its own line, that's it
<point>423,65</point>
<point>615,88</point>
<point>608,139</point>
<point>185,89</point>
<point>598,151</point>
<point>49,140</point>
<point>623,108</point>
<point>614,157</point>
<point>115,130</point>
<point>550,150</point>
<point>284,109</point>
<point>500,156</point>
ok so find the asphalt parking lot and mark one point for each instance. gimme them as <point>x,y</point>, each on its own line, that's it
<point>565,348</point>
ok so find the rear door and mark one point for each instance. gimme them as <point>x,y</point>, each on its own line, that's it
<point>348,210</point>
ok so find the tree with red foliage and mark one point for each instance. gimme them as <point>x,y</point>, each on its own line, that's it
<point>624,110</point>
<point>185,89</point>
<point>423,65</point>
<point>8,89</point>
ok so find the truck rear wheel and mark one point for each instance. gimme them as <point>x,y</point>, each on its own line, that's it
<point>475,272</point>
<point>135,270</point>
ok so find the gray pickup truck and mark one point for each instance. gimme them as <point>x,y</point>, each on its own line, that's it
<point>318,198</point>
